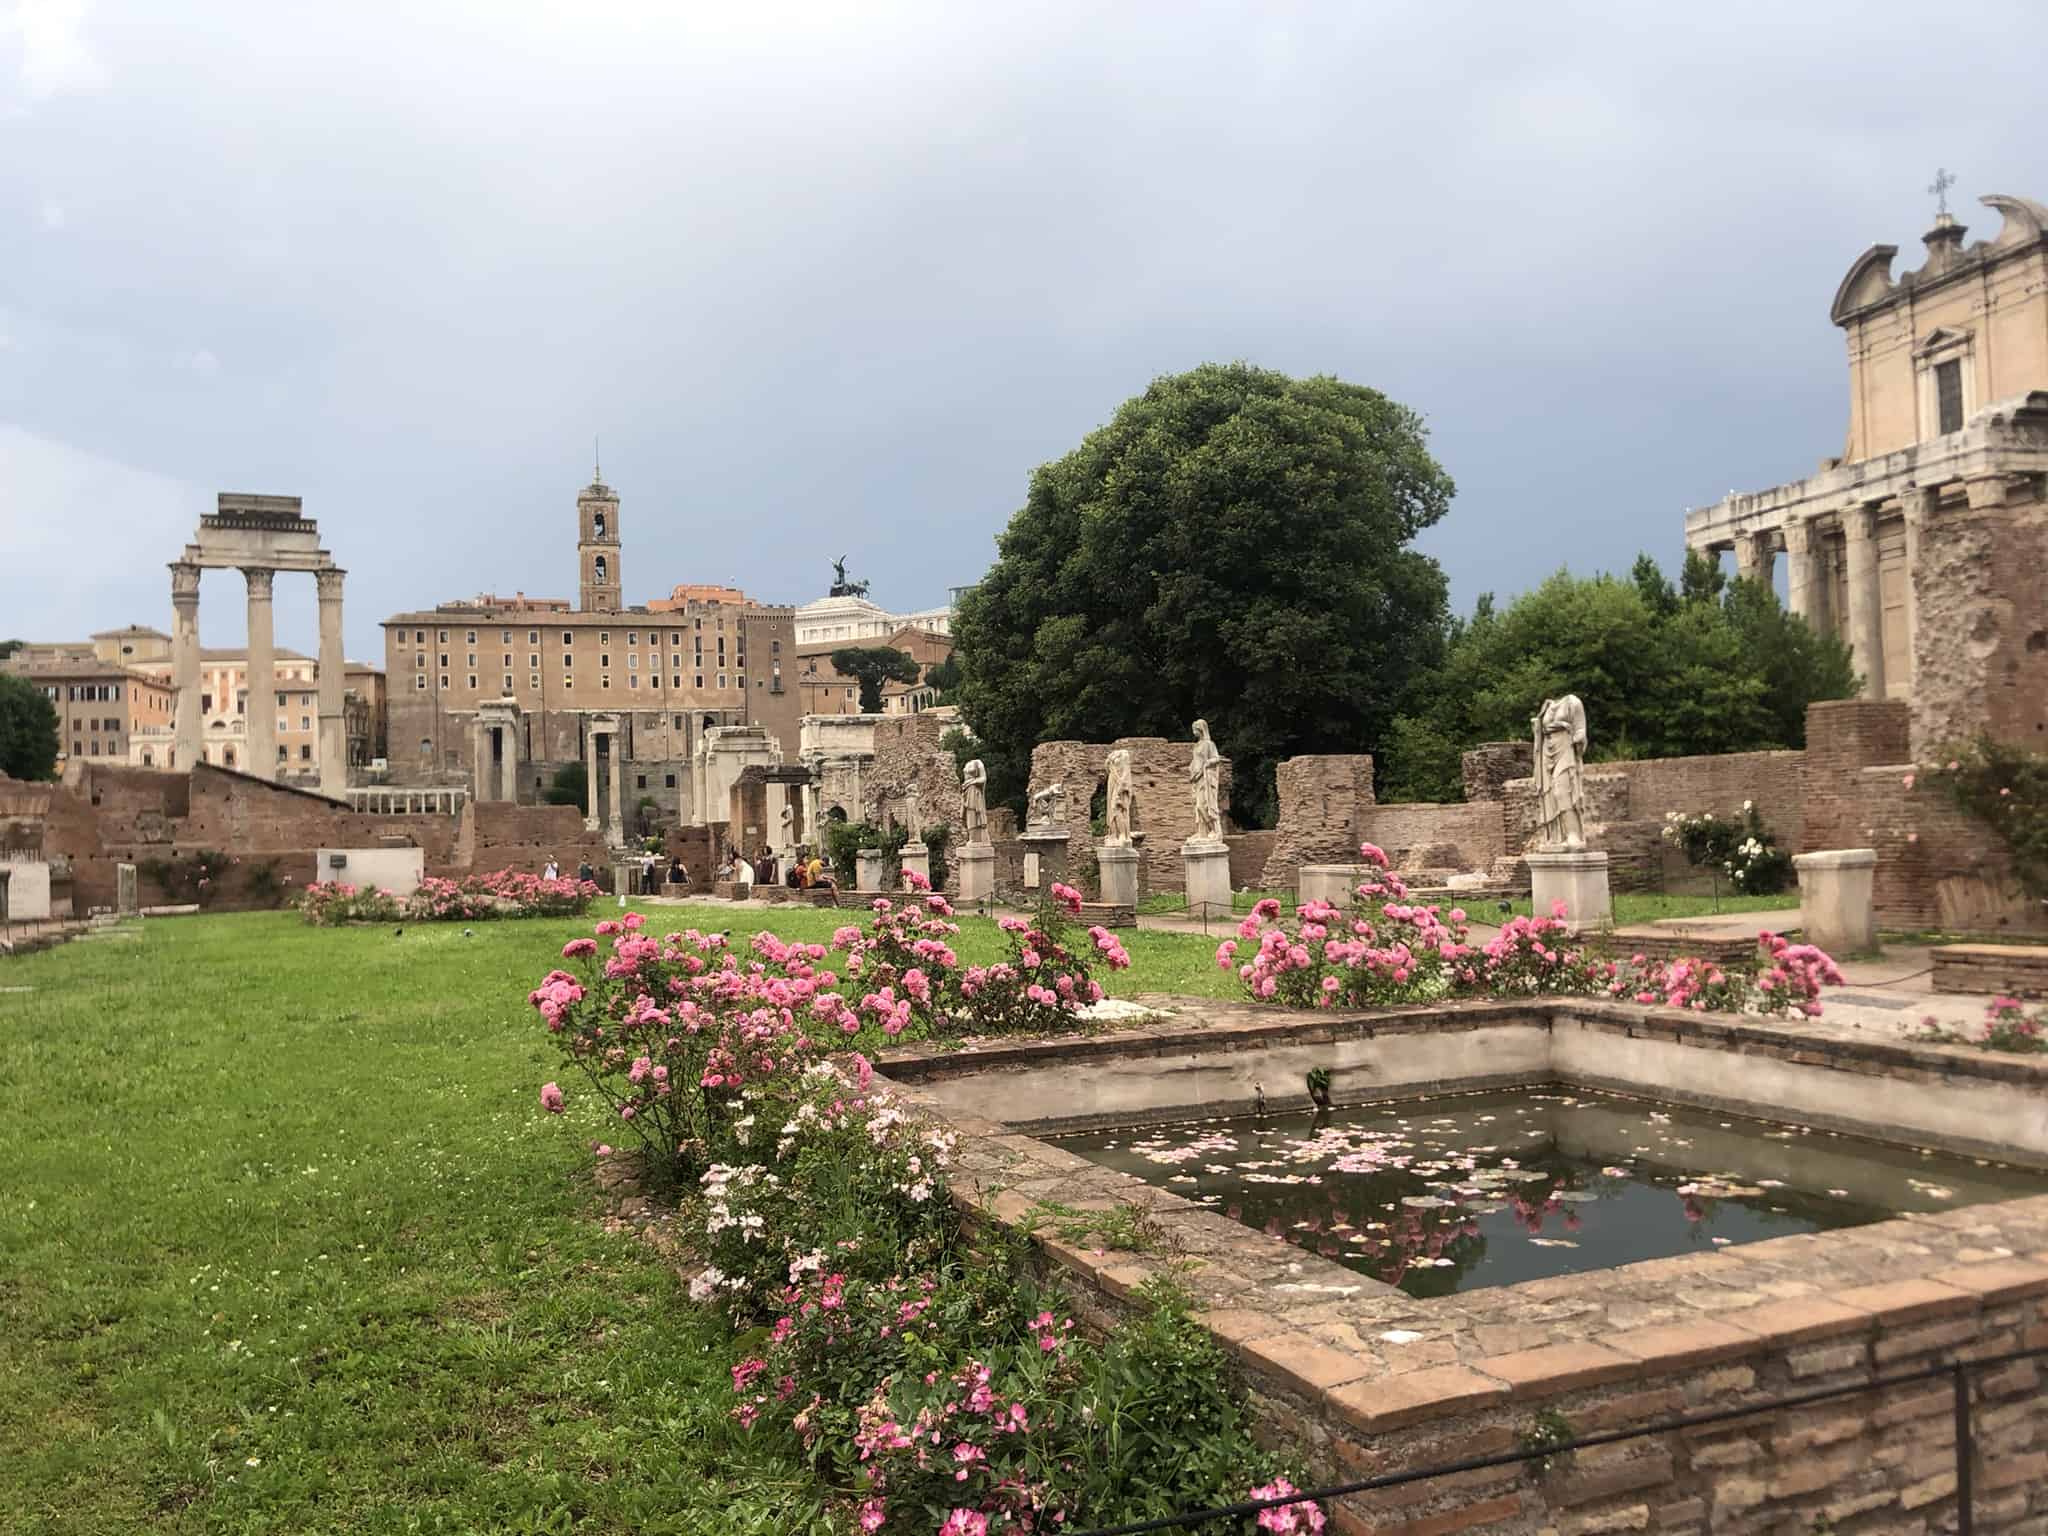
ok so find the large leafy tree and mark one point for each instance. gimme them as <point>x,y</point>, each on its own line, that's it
<point>1232,545</point>
<point>1712,666</point>
<point>871,666</point>
<point>28,730</point>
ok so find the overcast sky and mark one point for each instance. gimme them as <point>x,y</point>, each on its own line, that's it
<point>834,279</point>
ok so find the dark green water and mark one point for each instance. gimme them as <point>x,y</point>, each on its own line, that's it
<point>1455,1193</point>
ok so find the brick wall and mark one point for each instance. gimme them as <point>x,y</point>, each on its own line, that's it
<point>1490,765</point>
<point>1981,595</point>
<point>1426,836</point>
<point>907,752</point>
<point>1252,860</point>
<point>1323,802</point>
<point>1775,781</point>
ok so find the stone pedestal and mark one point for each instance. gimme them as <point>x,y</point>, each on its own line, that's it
<point>1118,864</point>
<point>125,900</point>
<point>1207,863</point>
<point>1575,876</point>
<point>1335,883</point>
<point>917,858</point>
<point>1837,910</point>
<point>869,861</point>
<point>977,872</point>
<point>1045,857</point>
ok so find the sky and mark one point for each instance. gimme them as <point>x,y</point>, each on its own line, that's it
<point>834,279</point>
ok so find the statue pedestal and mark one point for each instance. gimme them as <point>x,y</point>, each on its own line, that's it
<point>1335,883</point>
<point>1207,865</point>
<point>1118,866</point>
<point>1836,910</point>
<point>869,863</point>
<point>1575,876</point>
<point>977,872</point>
<point>1045,857</point>
<point>917,858</point>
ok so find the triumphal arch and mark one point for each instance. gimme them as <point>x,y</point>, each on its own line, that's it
<point>259,536</point>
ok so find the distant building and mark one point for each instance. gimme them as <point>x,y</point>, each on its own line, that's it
<point>1923,545</point>
<point>825,691</point>
<point>650,681</point>
<point>847,620</point>
<point>101,706</point>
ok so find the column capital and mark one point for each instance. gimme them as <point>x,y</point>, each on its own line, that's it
<point>184,582</point>
<point>328,580</point>
<point>259,578</point>
<point>1859,520</point>
<point>1798,535</point>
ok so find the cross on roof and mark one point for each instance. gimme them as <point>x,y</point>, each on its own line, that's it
<point>1943,180</point>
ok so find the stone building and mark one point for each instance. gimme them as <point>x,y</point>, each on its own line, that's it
<point>101,706</point>
<point>1925,544</point>
<point>628,691</point>
<point>846,618</point>
<point>824,690</point>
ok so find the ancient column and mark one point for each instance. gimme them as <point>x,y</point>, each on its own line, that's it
<point>1753,556</point>
<point>262,675</point>
<point>333,676</point>
<point>617,838</point>
<point>1920,506</point>
<point>590,817</point>
<point>1866,601</point>
<point>1805,594</point>
<point>508,762</point>
<point>190,734</point>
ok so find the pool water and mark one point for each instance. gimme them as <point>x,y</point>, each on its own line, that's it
<point>1454,1193</point>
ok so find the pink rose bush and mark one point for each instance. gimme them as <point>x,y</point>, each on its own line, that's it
<point>478,898</point>
<point>1388,950</point>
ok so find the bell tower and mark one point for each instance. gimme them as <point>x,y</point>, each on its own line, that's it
<point>599,580</point>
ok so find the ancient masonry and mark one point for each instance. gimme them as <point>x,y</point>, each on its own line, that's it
<point>1163,812</point>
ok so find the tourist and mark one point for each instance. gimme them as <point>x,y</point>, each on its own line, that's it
<point>677,874</point>
<point>584,871</point>
<point>553,871</point>
<point>814,872</point>
<point>745,881</point>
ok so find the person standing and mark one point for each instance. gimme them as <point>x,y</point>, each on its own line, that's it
<point>553,870</point>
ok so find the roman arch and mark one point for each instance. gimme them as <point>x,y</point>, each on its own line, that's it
<point>259,536</point>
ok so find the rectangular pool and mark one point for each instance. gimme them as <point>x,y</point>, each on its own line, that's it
<point>1461,1191</point>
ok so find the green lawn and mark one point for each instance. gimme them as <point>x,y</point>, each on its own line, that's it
<point>1652,906</point>
<point>286,1244</point>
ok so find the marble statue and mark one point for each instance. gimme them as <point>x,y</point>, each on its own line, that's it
<point>911,820</point>
<point>1049,806</point>
<point>974,799</point>
<point>1117,812</point>
<point>1560,748</point>
<point>788,828</point>
<point>1205,778</point>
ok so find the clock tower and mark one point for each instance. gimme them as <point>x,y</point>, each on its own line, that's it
<point>599,581</point>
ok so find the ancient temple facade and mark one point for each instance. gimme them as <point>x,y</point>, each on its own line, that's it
<point>1925,545</point>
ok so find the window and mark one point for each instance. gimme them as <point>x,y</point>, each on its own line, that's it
<point>444,660</point>
<point>283,724</point>
<point>227,757</point>
<point>568,662</point>
<point>472,682</point>
<point>305,753</point>
<point>568,635</point>
<point>675,637</point>
<point>1948,394</point>
<point>305,722</point>
<point>633,680</point>
<point>533,681</point>
<point>420,660</point>
<point>643,782</point>
<point>283,752</point>
<point>599,565</point>
<point>533,637</point>
<point>444,679</point>
<point>508,682</point>
<point>775,647</point>
<point>597,524</point>
<point>426,746</point>
<point>721,679</point>
<point>471,638</point>
<point>95,752</point>
<point>604,658</point>
<point>633,638</point>
<point>505,635</point>
<point>605,681</point>
<point>700,679</point>
<point>632,661</point>
<point>508,659</point>
<point>676,681</point>
<point>420,683</point>
<point>670,781</point>
<point>677,722</point>
<point>472,658</point>
<point>604,637</point>
<point>444,637</point>
<point>419,637</point>
<point>532,660</point>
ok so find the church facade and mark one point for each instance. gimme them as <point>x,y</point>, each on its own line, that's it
<point>1925,544</point>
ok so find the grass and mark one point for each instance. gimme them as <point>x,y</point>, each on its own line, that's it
<point>1632,907</point>
<point>1163,903</point>
<point>287,1245</point>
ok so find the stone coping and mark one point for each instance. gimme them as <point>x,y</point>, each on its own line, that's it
<point>1368,1356</point>
<point>1221,1026</point>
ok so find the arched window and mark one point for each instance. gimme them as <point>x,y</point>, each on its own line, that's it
<point>600,576</point>
<point>597,525</point>
<point>426,746</point>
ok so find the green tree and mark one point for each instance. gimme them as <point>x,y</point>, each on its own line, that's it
<point>28,730</point>
<point>9,647</point>
<point>1715,667</point>
<point>1233,545</point>
<point>871,666</point>
<point>568,786</point>
<point>946,678</point>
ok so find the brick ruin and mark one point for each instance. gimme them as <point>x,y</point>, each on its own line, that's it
<point>110,815</point>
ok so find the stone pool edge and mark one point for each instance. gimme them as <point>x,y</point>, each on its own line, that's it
<point>1369,1380</point>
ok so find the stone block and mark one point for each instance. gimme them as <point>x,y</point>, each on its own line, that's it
<point>869,862</point>
<point>1837,899</point>
<point>125,901</point>
<point>916,858</point>
<point>1208,879</point>
<point>977,872</point>
<point>1118,867</point>
<point>1334,883</point>
<point>1576,877</point>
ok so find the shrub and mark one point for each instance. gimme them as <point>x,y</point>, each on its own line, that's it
<point>1388,951</point>
<point>2006,788</point>
<point>192,877</point>
<point>2007,1027</point>
<point>330,903</point>
<point>502,893</point>
<point>1044,983</point>
<point>1746,851</point>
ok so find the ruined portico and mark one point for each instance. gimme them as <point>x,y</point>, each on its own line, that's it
<point>259,536</point>
<point>1923,546</point>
